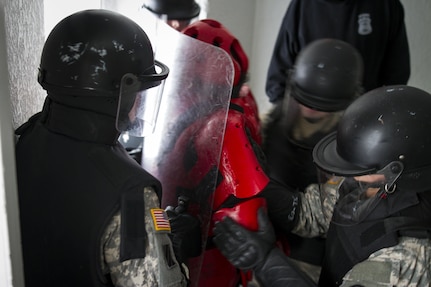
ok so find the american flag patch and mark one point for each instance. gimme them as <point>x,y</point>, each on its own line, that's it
<point>160,219</point>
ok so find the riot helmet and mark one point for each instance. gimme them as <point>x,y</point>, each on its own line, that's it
<point>325,79</point>
<point>327,75</point>
<point>100,61</point>
<point>174,9</point>
<point>383,144</point>
<point>213,32</point>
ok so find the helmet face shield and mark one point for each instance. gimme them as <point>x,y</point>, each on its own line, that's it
<point>139,103</point>
<point>305,126</point>
<point>360,195</point>
<point>382,133</point>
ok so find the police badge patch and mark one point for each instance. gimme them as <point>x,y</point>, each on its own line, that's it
<point>364,21</point>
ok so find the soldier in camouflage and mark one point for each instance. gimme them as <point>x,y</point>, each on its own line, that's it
<point>141,272</point>
<point>89,214</point>
<point>375,212</point>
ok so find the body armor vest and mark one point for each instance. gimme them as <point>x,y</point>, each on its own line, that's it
<point>69,188</point>
<point>348,245</point>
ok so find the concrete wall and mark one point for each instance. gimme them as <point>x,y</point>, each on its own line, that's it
<point>21,41</point>
<point>25,36</point>
<point>5,146</point>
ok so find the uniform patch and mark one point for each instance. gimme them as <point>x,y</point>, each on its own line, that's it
<point>160,220</point>
<point>364,21</point>
<point>335,180</point>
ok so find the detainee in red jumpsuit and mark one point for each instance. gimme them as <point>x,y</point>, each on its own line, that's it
<point>240,173</point>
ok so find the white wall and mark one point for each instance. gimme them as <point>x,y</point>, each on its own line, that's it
<point>24,35</point>
<point>418,22</point>
<point>267,21</point>
<point>5,117</point>
<point>10,250</point>
<point>237,16</point>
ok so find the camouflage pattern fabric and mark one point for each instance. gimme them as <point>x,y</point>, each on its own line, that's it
<point>316,210</point>
<point>406,264</point>
<point>151,271</point>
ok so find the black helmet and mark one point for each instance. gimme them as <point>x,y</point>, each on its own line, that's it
<point>174,9</point>
<point>87,54</point>
<point>388,126</point>
<point>327,75</point>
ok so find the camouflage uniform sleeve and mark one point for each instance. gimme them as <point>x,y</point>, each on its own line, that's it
<point>406,264</point>
<point>317,206</point>
<point>142,272</point>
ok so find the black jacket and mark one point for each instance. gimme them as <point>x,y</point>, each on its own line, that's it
<point>375,28</point>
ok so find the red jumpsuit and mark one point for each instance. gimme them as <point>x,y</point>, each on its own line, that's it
<point>240,177</point>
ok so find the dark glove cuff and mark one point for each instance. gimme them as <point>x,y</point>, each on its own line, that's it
<point>277,271</point>
<point>283,206</point>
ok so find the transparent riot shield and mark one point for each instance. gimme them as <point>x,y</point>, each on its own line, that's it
<point>184,150</point>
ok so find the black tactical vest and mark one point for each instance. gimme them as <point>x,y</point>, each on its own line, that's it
<point>348,245</point>
<point>69,188</point>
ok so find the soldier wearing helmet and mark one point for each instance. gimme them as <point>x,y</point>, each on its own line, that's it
<point>325,79</point>
<point>380,148</point>
<point>176,13</point>
<point>89,214</point>
<point>377,217</point>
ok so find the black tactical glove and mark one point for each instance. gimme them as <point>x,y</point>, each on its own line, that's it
<point>186,234</point>
<point>248,250</point>
<point>245,249</point>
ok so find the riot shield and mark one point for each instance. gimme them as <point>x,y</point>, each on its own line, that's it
<point>184,150</point>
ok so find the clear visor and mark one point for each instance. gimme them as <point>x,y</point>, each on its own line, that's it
<point>360,195</point>
<point>138,106</point>
<point>306,126</point>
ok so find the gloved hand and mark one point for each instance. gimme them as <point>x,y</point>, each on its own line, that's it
<point>243,248</point>
<point>186,234</point>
